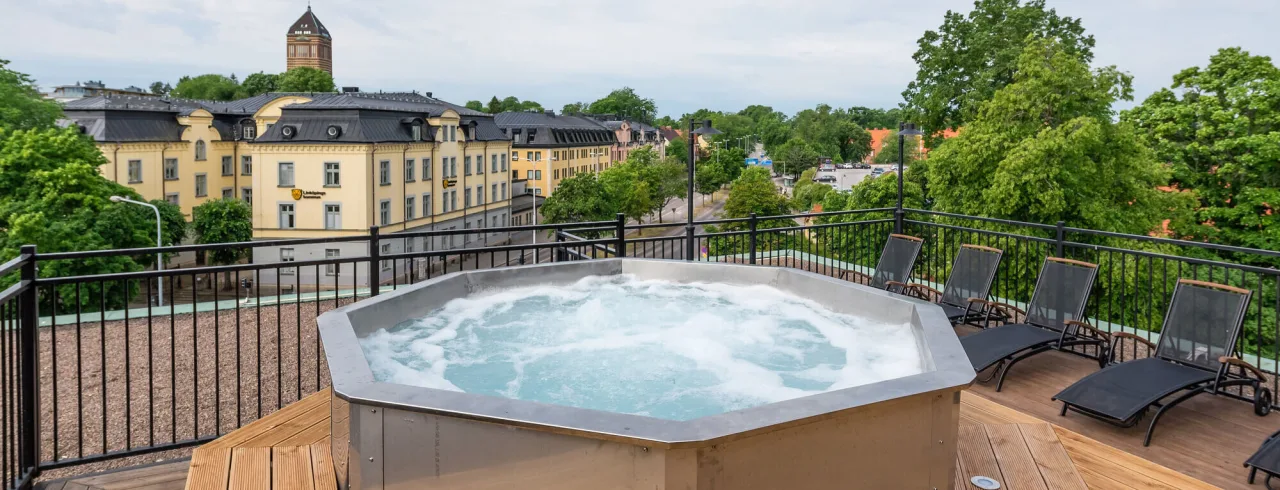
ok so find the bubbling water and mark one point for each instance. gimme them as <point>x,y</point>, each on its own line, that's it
<point>647,347</point>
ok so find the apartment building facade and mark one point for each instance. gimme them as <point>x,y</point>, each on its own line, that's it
<point>547,148</point>
<point>313,165</point>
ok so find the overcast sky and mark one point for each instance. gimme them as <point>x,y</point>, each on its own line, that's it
<point>719,54</point>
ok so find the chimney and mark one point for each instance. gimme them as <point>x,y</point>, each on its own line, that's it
<point>551,113</point>
<point>429,95</point>
<point>350,90</point>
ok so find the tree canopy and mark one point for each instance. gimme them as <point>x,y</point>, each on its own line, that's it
<point>969,58</point>
<point>1045,148</point>
<point>211,86</point>
<point>305,79</point>
<point>626,104</point>
<point>888,151</point>
<point>1218,127</point>
<point>223,221</point>
<point>22,106</point>
<point>579,198</point>
<point>259,83</point>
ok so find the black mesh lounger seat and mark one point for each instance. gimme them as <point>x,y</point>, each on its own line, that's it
<point>1052,321</point>
<point>968,285</point>
<point>1266,459</point>
<point>1197,344</point>
<point>894,269</point>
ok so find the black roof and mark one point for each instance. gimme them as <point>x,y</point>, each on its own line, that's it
<point>309,24</point>
<point>127,126</point>
<point>542,129</point>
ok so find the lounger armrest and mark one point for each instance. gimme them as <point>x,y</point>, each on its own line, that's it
<point>1246,366</point>
<point>1105,335</point>
<point>902,286</point>
<point>1126,335</point>
<point>918,290</point>
<point>859,277</point>
<point>1007,308</point>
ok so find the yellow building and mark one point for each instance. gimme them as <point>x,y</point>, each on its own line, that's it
<point>314,165</point>
<point>547,148</point>
<point>309,44</point>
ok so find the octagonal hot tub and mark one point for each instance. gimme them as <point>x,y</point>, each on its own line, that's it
<point>643,374</point>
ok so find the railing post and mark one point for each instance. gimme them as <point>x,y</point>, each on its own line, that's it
<point>559,255</point>
<point>752,223</point>
<point>28,444</point>
<point>690,241</point>
<point>897,220</point>
<point>1061,238</point>
<point>375,262</point>
<point>621,236</point>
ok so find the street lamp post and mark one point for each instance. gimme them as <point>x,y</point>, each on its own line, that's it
<point>688,229</point>
<point>904,130</point>
<point>159,254</point>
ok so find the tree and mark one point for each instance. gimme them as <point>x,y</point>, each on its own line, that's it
<point>210,87</point>
<point>625,104</point>
<point>873,118</point>
<point>889,149</point>
<point>510,104</point>
<point>678,148</point>
<point>853,141</point>
<point>670,174</point>
<point>22,106</point>
<point>475,105</point>
<point>666,122</point>
<point>579,199</point>
<point>794,156</point>
<point>494,106</point>
<point>1045,148</point>
<point>968,59</point>
<point>224,221</point>
<point>752,192</point>
<point>160,88</point>
<point>708,178</point>
<point>628,190</point>
<point>259,83</point>
<point>530,105</point>
<point>574,108</point>
<point>1220,132</point>
<point>306,79</point>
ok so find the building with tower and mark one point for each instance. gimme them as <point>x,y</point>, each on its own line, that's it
<point>309,44</point>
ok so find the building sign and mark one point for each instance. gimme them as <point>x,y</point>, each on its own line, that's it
<point>450,183</point>
<point>299,194</point>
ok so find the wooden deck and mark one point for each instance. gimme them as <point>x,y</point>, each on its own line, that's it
<point>1207,437</point>
<point>289,449</point>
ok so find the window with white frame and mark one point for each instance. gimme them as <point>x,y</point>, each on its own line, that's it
<point>504,191</point>
<point>250,131</point>
<point>453,200</point>
<point>171,169</point>
<point>537,175</point>
<point>201,151</point>
<point>331,253</point>
<point>286,255</point>
<point>479,195</point>
<point>135,171</point>
<point>286,217</point>
<point>410,207</point>
<point>529,174</point>
<point>515,156</point>
<point>426,169</point>
<point>202,185</point>
<point>528,155</point>
<point>409,168</point>
<point>332,174</point>
<point>172,197</point>
<point>493,163</point>
<point>453,167</point>
<point>426,205</point>
<point>332,216</point>
<point>479,164</point>
<point>228,193</point>
<point>246,165</point>
<point>285,174</point>
<point>493,193</point>
<point>384,172</point>
<point>228,166</point>
<point>466,197</point>
<point>384,212</point>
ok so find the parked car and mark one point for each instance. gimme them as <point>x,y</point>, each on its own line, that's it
<point>825,178</point>
<point>845,165</point>
<point>861,165</point>
<point>826,167</point>
<point>877,171</point>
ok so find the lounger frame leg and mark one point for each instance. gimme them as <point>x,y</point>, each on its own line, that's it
<point>1156,418</point>
<point>1014,360</point>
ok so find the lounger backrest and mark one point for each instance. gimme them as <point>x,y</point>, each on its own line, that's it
<point>1061,293</point>
<point>899,257</point>
<point>971,275</point>
<point>1202,323</point>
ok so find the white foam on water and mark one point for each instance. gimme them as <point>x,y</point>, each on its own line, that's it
<point>648,347</point>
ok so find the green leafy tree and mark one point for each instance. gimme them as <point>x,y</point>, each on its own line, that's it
<point>22,106</point>
<point>794,156</point>
<point>628,190</point>
<point>209,87</point>
<point>626,104</point>
<point>494,106</point>
<point>666,122</point>
<point>872,118</point>
<point>530,105</point>
<point>969,58</point>
<point>161,88</point>
<point>259,83</point>
<point>578,199</point>
<point>888,151</point>
<point>306,79</point>
<point>510,104</point>
<point>752,192</point>
<point>853,141</point>
<point>1220,132</point>
<point>475,105</point>
<point>678,149</point>
<point>1045,148</point>
<point>670,175</point>
<point>224,221</point>
<point>574,108</point>
<point>708,178</point>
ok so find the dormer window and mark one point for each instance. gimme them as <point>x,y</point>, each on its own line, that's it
<point>531,134</point>
<point>250,131</point>
<point>417,132</point>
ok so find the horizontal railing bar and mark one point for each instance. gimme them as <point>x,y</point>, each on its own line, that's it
<point>63,463</point>
<point>988,220</point>
<point>501,229</point>
<point>1190,260</point>
<point>195,248</point>
<point>14,264</point>
<point>1170,241</point>
<point>215,269</point>
<point>984,232</point>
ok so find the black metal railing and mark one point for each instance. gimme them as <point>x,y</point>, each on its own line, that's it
<point>99,367</point>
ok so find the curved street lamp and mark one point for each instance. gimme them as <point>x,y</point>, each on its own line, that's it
<point>706,129</point>
<point>904,129</point>
<point>159,254</point>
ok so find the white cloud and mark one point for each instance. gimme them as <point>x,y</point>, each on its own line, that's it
<point>722,54</point>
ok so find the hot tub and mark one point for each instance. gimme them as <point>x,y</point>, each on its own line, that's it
<point>895,432</point>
